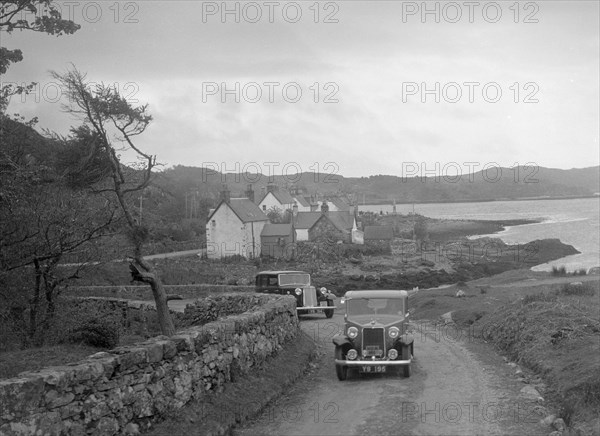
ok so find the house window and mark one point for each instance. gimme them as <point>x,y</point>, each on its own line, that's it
<point>214,223</point>
<point>264,207</point>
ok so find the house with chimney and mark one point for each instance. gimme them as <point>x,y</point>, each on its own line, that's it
<point>314,226</point>
<point>234,227</point>
<point>300,200</point>
<point>276,198</point>
<point>303,204</point>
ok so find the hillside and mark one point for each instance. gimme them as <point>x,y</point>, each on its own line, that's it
<point>493,184</point>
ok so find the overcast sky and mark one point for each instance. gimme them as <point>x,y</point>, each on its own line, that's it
<point>366,63</point>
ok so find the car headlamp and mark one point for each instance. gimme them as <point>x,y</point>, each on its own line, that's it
<point>393,354</point>
<point>352,332</point>
<point>352,354</point>
<point>298,291</point>
<point>393,332</point>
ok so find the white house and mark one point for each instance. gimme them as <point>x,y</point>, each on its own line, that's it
<point>302,222</point>
<point>234,227</point>
<point>302,203</point>
<point>282,200</point>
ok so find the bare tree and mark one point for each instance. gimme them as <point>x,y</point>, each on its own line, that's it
<point>114,124</point>
<point>41,221</point>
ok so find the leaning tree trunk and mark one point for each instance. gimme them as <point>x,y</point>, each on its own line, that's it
<point>146,274</point>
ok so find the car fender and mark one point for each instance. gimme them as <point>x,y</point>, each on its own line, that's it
<point>341,340</point>
<point>407,339</point>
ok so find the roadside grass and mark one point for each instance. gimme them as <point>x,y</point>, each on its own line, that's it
<point>32,359</point>
<point>557,334</point>
<point>552,329</point>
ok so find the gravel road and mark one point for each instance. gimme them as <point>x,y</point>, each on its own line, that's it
<point>450,392</point>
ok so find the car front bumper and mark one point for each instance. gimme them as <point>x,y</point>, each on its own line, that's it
<point>316,308</point>
<point>372,362</point>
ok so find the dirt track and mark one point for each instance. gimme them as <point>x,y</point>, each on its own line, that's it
<point>450,392</point>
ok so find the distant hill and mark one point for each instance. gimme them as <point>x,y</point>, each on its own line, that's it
<point>493,184</point>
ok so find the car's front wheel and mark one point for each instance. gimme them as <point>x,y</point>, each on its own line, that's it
<point>329,312</point>
<point>340,370</point>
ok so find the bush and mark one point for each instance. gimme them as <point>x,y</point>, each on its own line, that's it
<point>540,296</point>
<point>579,289</point>
<point>559,271</point>
<point>101,333</point>
<point>236,258</point>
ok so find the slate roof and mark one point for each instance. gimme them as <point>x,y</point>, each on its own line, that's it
<point>342,221</point>
<point>302,201</point>
<point>340,203</point>
<point>245,210</point>
<point>305,220</point>
<point>283,197</point>
<point>375,233</point>
<point>276,230</point>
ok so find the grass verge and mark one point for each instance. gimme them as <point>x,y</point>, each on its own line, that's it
<point>557,334</point>
<point>33,359</point>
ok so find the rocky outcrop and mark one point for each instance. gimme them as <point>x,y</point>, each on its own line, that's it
<point>130,387</point>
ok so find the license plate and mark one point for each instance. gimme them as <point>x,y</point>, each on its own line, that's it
<point>373,368</point>
<point>322,303</point>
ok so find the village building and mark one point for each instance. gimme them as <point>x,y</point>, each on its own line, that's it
<point>302,222</point>
<point>339,204</point>
<point>234,227</point>
<point>278,240</point>
<point>302,203</point>
<point>276,198</point>
<point>313,226</point>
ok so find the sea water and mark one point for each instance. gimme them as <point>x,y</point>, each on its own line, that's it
<point>574,221</point>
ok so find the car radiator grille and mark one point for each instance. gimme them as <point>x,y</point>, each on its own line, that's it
<point>310,297</point>
<point>373,342</point>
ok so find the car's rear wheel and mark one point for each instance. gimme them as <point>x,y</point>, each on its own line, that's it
<point>406,355</point>
<point>340,370</point>
<point>329,312</point>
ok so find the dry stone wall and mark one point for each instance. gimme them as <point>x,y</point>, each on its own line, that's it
<point>144,292</point>
<point>124,390</point>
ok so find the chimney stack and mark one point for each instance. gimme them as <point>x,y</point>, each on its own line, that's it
<point>250,193</point>
<point>324,207</point>
<point>295,209</point>
<point>225,194</point>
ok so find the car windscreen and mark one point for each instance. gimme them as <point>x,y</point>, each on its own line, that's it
<point>375,306</point>
<point>294,279</point>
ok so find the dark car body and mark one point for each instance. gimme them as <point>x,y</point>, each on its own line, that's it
<point>375,338</point>
<point>298,284</point>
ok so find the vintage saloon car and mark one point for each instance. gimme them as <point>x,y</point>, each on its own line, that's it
<point>296,283</point>
<point>374,339</point>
